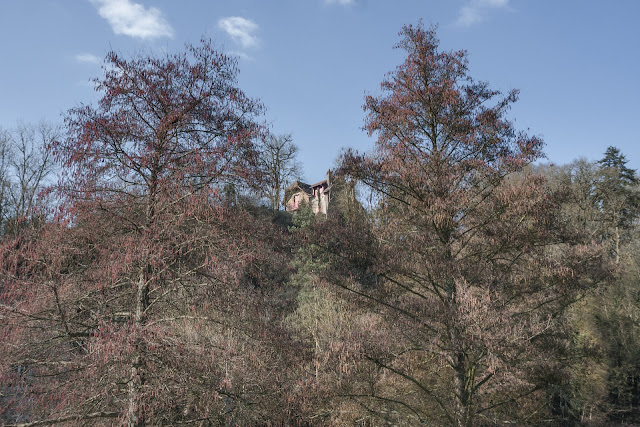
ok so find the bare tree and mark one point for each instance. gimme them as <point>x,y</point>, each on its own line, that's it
<point>278,159</point>
<point>5,139</point>
<point>25,165</point>
<point>30,164</point>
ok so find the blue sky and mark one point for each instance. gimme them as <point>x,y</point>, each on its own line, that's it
<point>576,62</point>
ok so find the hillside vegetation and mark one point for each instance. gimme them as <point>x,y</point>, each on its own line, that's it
<point>148,276</point>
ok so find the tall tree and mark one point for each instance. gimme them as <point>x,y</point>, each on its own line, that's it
<point>474,268</point>
<point>617,200</point>
<point>26,165</point>
<point>144,286</point>
<point>166,131</point>
<point>606,381</point>
<point>278,158</point>
<point>31,164</point>
<point>617,197</point>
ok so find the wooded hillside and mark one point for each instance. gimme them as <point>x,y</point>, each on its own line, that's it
<point>154,280</point>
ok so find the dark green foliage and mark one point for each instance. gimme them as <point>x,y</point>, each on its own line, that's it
<point>303,217</point>
<point>614,159</point>
<point>616,192</point>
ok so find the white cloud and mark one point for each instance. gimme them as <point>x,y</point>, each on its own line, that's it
<point>240,29</point>
<point>133,19</point>
<point>341,2</point>
<point>475,11</point>
<point>88,58</point>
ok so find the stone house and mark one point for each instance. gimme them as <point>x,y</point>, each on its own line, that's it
<point>317,195</point>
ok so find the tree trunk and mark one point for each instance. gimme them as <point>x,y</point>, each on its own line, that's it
<point>135,417</point>
<point>617,243</point>
<point>464,378</point>
<point>459,359</point>
<point>464,382</point>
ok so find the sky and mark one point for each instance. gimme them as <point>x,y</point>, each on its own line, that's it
<point>311,62</point>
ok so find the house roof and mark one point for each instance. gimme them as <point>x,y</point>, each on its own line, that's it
<point>300,185</point>
<point>295,187</point>
<point>317,184</point>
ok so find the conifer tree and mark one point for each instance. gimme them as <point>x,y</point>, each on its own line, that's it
<point>617,197</point>
<point>474,267</point>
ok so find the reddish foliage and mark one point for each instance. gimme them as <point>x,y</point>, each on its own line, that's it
<point>146,298</point>
<point>474,264</point>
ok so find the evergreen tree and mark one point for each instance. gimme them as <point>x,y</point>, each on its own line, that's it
<point>618,199</point>
<point>303,217</point>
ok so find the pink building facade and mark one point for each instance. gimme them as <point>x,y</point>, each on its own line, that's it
<point>317,195</point>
